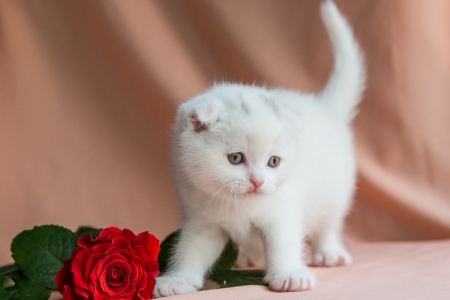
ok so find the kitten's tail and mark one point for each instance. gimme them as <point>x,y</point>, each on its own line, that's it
<point>346,84</point>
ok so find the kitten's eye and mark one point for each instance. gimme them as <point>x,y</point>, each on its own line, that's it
<point>236,158</point>
<point>273,161</point>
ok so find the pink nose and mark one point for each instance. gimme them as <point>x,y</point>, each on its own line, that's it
<point>256,183</point>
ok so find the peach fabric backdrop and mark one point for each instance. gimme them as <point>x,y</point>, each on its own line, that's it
<point>89,90</point>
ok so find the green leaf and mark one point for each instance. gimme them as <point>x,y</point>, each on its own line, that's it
<point>220,272</point>
<point>232,278</point>
<point>167,249</point>
<point>8,269</point>
<point>6,272</point>
<point>40,253</point>
<point>28,289</point>
<point>5,293</point>
<point>82,230</point>
<point>23,289</point>
<point>226,260</point>
<point>228,257</point>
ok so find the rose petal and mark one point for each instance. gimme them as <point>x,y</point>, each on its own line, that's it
<point>150,244</point>
<point>99,294</point>
<point>107,234</point>
<point>142,281</point>
<point>149,264</point>
<point>121,242</point>
<point>63,277</point>
<point>69,294</point>
<point>136,274</point>
<point>102,247</point>
<point>86,294</point>
<point>85,241</point>
<point>129,235</point>
<point>147,292</point>
<point>124,252</point>
<point>153,268</point>
<point>138,250</point>
<point>82,267</point>
<point>136,271</point>
<point>141,257</point>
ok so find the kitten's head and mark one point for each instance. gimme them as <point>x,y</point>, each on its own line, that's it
<point>236,140</point>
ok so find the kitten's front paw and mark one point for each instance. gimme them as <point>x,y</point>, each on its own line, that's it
<point>298,280</point>
<point>175,285</point>
<point>331,257</point>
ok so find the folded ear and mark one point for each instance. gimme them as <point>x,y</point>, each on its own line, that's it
<point>204,116</point>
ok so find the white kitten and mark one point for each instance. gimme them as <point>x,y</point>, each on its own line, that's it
<point>273,160</point>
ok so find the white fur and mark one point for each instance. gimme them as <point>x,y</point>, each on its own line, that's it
<point>307,194</point>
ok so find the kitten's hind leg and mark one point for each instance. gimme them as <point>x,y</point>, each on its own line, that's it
<point>328,249</point>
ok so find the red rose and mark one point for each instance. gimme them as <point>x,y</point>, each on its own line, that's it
<point>116,265</point>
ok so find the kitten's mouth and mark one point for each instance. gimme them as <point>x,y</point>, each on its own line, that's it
<point>253,192</point>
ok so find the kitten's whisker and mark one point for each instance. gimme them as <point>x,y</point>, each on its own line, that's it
<point>236,203</point>
<point>236,191</point>
<point>224,185</point>
<point>230,197</point>
<point>237,199</point>
<point>240,196</point>
<point>228,203</point>
<point>223,199</point>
